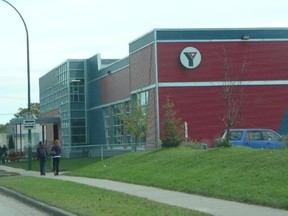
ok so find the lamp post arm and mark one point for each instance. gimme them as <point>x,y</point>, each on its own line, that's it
<point>28,82</point>
<point>28,60</point>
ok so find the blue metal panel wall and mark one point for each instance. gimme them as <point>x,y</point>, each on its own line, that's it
<point>141,42</point>
<point>93,95</point>
<point>97,127</point>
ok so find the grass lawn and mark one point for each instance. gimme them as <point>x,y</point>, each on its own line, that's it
<point>66,164</point>
<point>242,174</point>
<point>86,200</point>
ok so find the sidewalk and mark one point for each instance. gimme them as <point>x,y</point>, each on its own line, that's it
<point>212,206</point>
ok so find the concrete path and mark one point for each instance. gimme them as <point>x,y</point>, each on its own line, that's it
<point>212,206</point>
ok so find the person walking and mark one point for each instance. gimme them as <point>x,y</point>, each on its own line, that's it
<point>56,155</point>
<point>42,155</point>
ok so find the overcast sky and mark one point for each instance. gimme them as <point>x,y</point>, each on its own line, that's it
<point>67,29</point>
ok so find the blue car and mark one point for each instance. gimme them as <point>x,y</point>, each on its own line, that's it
<point>255,138</point>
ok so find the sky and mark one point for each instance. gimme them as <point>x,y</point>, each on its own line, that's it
<point>69,29</point>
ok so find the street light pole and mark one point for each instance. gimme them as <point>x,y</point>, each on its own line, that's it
<point>28,82</point>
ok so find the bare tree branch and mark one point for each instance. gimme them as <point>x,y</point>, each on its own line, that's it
<point>233,91</point>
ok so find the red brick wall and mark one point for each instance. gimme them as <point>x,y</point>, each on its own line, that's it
<point>204,107</point>
<point>115,86</point>
<point>142,68</point>
<point>265,60</point>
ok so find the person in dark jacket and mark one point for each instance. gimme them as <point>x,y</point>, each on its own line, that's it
<point>42,153</point>
<point>56,155</point>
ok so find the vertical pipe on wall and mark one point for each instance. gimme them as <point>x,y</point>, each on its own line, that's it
<point>21,147</point>
<point>16,143</point>
<point>43,133</point>
<point>157,127</point>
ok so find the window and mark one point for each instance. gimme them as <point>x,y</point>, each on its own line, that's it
<point>115,133</point>
<point>78,139</point>
<point>78,122</point>
<point>107,117</point>
<point>77,90</point>
<point>254,135</point>
<point>117,130</point>
<point>78,130</point>
<point>141,98</point>
<point>235,135</point>
<point>76,65</point>
<point>269,135</point>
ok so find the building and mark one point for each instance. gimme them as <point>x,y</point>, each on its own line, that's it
<point>19,135</point>
<point>3,139</point>
<point>193,67</point>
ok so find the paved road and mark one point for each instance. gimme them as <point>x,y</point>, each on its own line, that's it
<point>212,206</point>
<point>11,207</point>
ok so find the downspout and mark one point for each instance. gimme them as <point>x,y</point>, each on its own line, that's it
<point>157,118</point>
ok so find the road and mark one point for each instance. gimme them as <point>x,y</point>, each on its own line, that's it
<point>11,207</point>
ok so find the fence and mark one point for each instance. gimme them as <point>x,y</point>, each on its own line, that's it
<point>76,151</point>
<point>103,151</point>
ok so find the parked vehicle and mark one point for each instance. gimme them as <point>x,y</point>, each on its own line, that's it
<point>255,138</point>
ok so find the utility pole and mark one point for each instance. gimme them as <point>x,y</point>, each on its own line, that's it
<point>28,82</point>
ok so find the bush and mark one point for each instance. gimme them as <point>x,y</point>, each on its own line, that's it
<point>172,126</point>
<point>223,143</point>
<point>171,141</point>
<point>285,140</point>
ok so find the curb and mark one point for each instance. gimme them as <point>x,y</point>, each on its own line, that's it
<point>39,205</point>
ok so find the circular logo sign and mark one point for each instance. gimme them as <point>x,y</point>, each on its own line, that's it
<point>190,57</point>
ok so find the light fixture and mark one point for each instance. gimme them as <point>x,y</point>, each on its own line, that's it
<point>245,37</point>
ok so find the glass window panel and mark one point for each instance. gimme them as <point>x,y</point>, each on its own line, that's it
<point>77,114</point>
<point>81,98</point>
<point>77,122</point>
<point>76,65</point>
<point>78,139</point>
<point>78,130</point>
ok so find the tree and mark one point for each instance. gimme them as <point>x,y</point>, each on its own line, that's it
<point>11,143</point>
<point>172,126</point>
<point>35,110</point>
<point>233,94</point>
<point>136,122</point>
<point>3,128</point>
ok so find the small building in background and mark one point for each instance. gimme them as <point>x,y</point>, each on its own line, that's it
<point>3,139</point>
<point>19,135</point>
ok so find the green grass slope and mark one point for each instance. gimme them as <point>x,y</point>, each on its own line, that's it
<point>85,200</point>
<point>240,174</point>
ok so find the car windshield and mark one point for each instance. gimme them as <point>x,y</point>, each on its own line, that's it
<point>270,135</point>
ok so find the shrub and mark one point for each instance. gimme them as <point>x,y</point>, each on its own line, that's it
<point>171,141</point>
<point>285,140</point>
<point>223,143</point>
<point>173,130</point>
